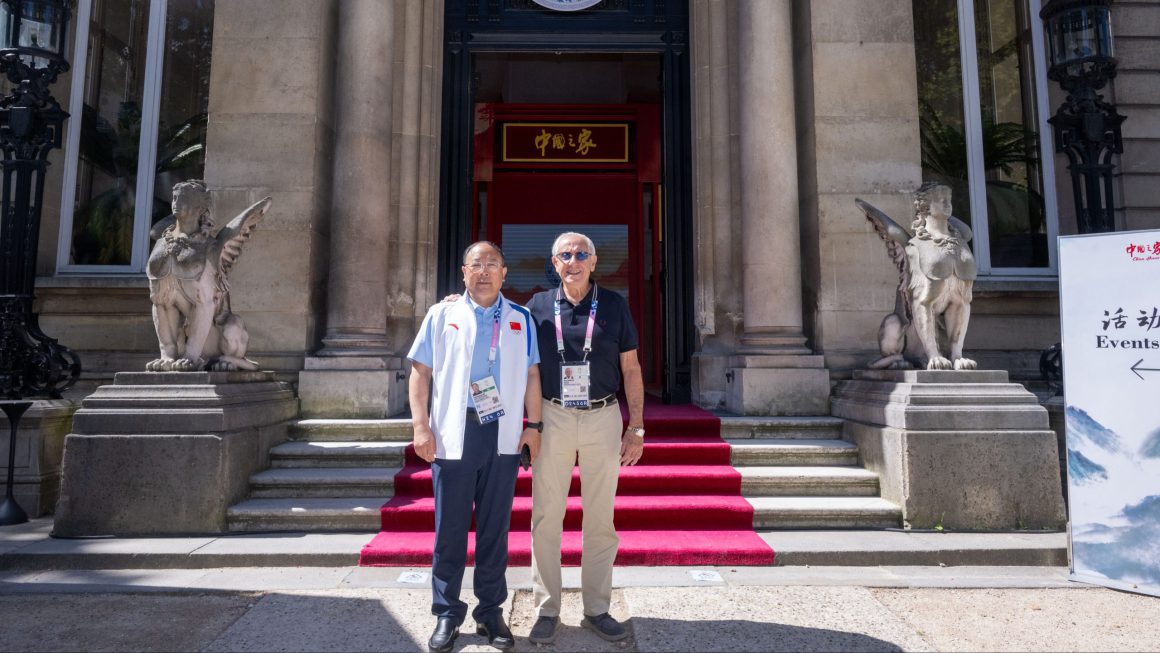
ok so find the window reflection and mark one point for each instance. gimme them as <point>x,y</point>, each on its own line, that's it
<point>1018,231</point>
<point>115,92</point>
<point>1006,98</point>
<point>102,232</point>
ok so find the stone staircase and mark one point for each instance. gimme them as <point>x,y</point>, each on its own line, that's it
<point>335,474</point>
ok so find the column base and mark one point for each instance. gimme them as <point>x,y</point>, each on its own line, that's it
<point>356,345</point>
<point>352,387</point>
<point>778,385</point>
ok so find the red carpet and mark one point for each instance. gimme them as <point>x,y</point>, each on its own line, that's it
<point>681,505</point>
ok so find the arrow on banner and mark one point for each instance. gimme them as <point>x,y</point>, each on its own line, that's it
<point>1137,369</point>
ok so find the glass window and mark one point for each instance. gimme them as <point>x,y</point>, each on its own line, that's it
<point>140,126</point>
<point>980,121</point>
<point>106,181</point>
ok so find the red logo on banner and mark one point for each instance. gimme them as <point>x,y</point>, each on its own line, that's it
<point>1143,252</point>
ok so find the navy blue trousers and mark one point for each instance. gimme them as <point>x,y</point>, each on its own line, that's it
<point>488,482</point>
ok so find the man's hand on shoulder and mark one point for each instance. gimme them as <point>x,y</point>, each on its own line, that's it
<point>424,442</point>
<point>451,298</point>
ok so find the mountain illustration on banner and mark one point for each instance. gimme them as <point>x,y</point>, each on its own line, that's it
<point>1082,470</point>
<point>1082,425</point>
<point>1114,540</point>
<point>1151,446</point>
<point>1130,551</point>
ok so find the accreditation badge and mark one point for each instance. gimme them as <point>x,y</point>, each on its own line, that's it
<point>488,406</point>
<point>574,384</point>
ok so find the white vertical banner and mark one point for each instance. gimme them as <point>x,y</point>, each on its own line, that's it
<point>1110,316</point>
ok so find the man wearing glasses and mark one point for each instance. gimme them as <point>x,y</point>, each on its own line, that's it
<point>477,361</point>
<point>588,344</point>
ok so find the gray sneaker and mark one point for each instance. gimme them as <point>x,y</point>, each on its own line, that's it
<point>605,626</point>
<point>544,630</point>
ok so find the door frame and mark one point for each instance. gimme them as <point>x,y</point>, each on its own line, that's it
<point>641,26</point>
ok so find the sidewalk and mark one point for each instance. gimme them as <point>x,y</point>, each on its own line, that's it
<point>348,608</point>
<point>29,546</point>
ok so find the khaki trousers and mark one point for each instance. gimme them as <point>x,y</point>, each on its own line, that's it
<point>594,436</point>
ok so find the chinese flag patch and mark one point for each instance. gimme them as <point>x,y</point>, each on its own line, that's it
<point>515,326</point>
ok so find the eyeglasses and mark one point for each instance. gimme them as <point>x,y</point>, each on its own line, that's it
<point>567,256</point>
<point>490,266</point>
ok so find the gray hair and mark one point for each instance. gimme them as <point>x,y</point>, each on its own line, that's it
<point>572,234</point>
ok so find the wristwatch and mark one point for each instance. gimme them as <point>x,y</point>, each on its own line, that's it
<point>637,431</point>
<point>539,426</point>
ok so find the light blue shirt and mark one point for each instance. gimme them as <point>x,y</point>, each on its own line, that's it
<point>422,350</point>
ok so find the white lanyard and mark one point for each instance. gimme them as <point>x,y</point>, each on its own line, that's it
<point>588,333</point>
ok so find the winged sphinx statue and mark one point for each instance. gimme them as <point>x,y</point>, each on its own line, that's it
<point>188,273</point>
<point>936,272</point>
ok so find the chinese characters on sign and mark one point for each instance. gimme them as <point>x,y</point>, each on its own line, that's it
<point>1117,320</point>
<point>565,143</point>
<point>580,144</point>
<point>1144,252</point>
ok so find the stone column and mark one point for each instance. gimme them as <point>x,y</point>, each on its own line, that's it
<point>356,314</point>
<point>774,372</point>
<point>355,375</point>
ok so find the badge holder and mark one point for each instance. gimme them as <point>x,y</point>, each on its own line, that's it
<point>574,384</point>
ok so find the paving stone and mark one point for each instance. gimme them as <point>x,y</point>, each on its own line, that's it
<point>767,619</point>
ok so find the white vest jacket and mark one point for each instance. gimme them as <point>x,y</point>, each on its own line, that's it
<point>453,326</point>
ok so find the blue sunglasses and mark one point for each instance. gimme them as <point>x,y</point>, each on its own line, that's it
<point>567,256</point>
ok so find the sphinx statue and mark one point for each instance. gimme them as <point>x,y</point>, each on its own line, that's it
<point>936,274</point>
<point>188,274</point>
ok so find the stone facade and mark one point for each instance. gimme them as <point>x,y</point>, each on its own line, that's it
<point>300,111</point>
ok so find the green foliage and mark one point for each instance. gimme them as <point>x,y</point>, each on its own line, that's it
<point>1009,150</point>
<point>944,147</point>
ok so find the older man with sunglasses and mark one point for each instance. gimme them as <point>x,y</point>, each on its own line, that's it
<point>588,344</point>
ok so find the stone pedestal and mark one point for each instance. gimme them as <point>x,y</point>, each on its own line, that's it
<point>366,387</point>
<point>1055,407</point>
<point>168,453</point>
<point>964,450</point>
<point>39,446</point>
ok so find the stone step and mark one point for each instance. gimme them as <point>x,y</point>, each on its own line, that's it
<point>362,514</point>
<point>808,481</point>
<point>307,514</point>
<point>734,427</point>
<point>338,454</point>
<point>353,482</point>
<point>321,482</point>
<point>792,452</point>
<point>352,430</point>
<point>824,512</point>
<point>746,452</point>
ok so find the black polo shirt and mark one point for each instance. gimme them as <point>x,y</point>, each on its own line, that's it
<point>613,334</point>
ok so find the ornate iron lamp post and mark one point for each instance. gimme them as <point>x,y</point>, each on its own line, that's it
<point>1087,129</point>
<point>33,38</point>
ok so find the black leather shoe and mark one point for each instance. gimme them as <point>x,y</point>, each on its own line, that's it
<point>497,632</point>
<point>444,636</point>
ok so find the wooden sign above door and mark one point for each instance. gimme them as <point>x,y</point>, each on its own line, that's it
<point>558,142</point>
